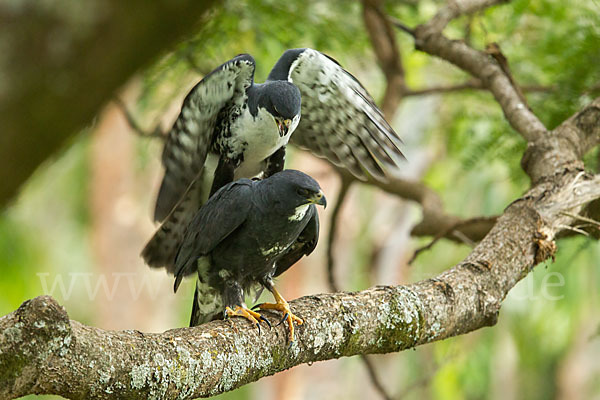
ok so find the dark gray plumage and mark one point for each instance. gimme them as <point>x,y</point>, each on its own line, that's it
<point>247,233</point>
<point>230,127</point>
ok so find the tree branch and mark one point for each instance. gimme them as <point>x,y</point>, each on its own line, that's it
<point>41,351</point>
<point>383,41</point>
<point>135,126</point>
<point>565,145</point>
<point>345,183</point>
<point>430,39</point>
<point>457,8</point>
<point>473,229</point>
<point>473,84</point>
<point>435,220</point>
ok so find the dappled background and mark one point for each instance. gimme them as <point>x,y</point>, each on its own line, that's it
<point>76,229</point>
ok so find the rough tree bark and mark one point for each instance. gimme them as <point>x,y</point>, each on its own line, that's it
<point>62,60</point>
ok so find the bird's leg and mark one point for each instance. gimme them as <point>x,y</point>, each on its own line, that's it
<point>223,174</point>
<point>275,162</point>
<point>283,306</point>
<point>233,296</point>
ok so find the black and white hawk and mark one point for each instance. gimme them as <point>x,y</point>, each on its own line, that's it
<point>246,234</point>
<point>230,127</point>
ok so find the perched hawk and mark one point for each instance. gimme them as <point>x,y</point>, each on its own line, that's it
<point>247,233</point>
<point>230,127</point>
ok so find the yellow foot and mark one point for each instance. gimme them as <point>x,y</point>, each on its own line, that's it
<point>284,307</point>
<point>250,315</point>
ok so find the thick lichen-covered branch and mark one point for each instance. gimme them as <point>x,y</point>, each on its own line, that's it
<point>42,351</point>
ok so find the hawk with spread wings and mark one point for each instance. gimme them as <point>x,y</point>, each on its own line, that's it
<point>230,127</point>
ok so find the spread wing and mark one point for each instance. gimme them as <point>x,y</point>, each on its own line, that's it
<point>221,215</point>
<point>340,120</point>
<point>303,246</point>
<point>191,136</point>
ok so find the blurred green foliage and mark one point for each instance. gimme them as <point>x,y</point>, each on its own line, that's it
<point>545,322</point>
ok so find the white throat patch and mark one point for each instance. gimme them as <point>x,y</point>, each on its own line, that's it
<point>294,125</point>
<point>258,136</point>
<point>299,212</point>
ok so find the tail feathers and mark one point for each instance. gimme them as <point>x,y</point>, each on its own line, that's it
<point>162,248</point>
<point>178,178</point>
<point>168,194</point>
<point>207,306</point>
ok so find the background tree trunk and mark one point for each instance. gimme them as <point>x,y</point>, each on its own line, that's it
<point>62,60</point>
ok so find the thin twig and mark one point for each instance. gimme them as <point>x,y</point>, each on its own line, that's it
<point>581,218</point>
<point>455,9</point>
<point>424,248</point>
<point>454,229</point>
<point>374,378</point>
<point>574,229</point>
<point>468,29</point>
<point>463,238</point>
<point>401,25</point>
<point>472,84</point>
<point>135,126</point>
<point>345,185</point>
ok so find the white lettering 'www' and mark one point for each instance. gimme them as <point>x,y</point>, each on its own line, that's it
<point>94,284</point>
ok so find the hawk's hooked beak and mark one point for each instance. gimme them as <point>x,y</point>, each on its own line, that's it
<point>283,126</point>
<point>318,198</point>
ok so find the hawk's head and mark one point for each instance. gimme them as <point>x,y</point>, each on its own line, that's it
<point>292,192</point>
<point>282,100</point>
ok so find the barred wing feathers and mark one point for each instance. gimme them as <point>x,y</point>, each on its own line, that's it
<point>191,137</point>
<point>340,120</point>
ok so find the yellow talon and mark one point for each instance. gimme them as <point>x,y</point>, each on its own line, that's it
<point>250,315</point>
<point>283,306</point>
